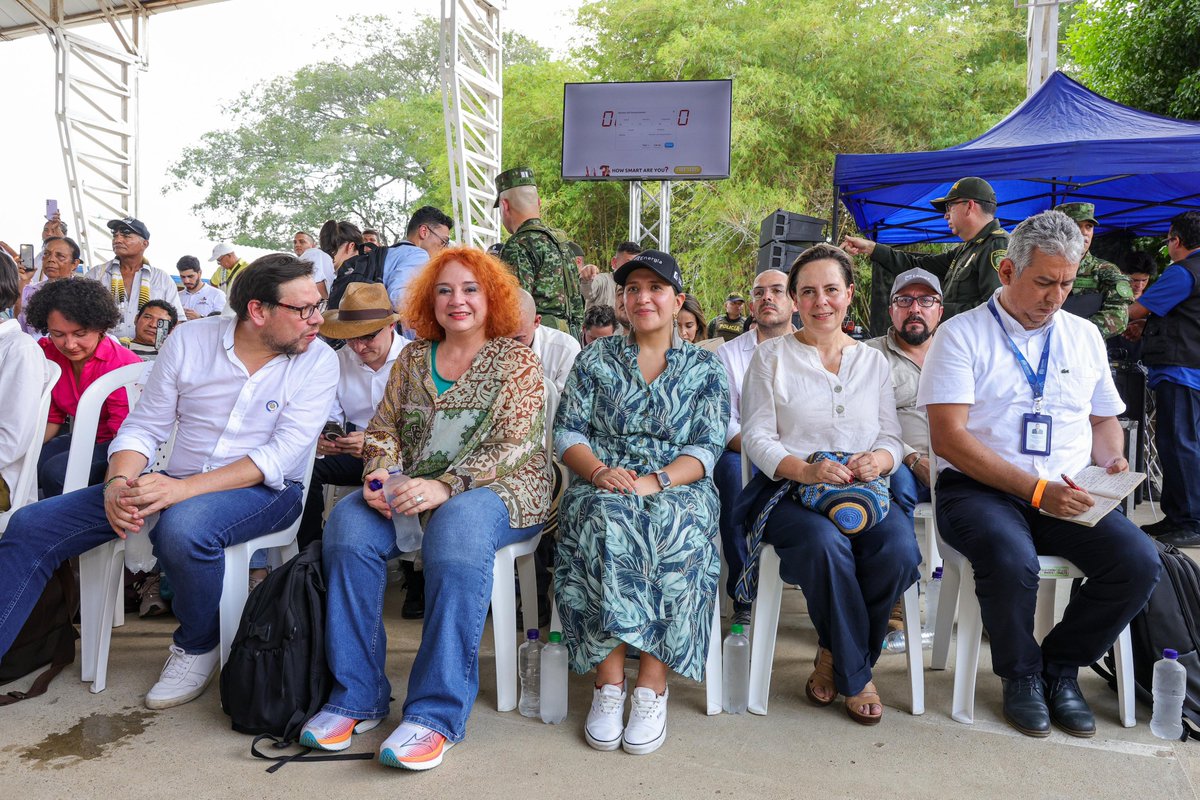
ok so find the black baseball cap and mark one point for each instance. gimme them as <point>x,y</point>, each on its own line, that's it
<point>658,262</point>
<point>130,224</point>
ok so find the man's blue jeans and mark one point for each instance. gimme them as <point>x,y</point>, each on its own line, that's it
<point>458,551</point>
<point>189,540</point>
<point>907,490</point>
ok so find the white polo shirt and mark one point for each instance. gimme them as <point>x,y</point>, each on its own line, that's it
<point>360,388</point>
<point>273,416</point>
<point>322,266</point>
<point>735,355</point>
<point>970,362</point>
<point>557,350</point>
<point>206,300</point>
<point>162,287</point>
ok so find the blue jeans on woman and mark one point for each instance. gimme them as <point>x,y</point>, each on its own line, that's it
<point>458,551</point>
<point>189,540</point>
<point>52,464</point>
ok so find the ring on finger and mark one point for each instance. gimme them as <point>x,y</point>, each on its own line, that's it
<point>419,499</point>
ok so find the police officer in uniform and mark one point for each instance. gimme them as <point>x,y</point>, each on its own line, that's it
<point>968,272</point>
<point>537,254</point>
<point>1102,293</point>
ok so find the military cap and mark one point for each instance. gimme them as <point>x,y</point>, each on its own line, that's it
<point>575,249</point>
<point>517,176</point>
<point>966,189</point>
<point>1080,212</point>
<point>734,297</point>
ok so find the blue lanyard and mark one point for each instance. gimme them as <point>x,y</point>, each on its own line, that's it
<point>1036,382</point>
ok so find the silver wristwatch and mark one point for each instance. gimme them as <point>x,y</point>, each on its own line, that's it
<point>664,480</point>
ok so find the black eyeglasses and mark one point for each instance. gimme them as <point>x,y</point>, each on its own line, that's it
<point>305,312</point>
<point>445,240</point>
<point>925,301</point>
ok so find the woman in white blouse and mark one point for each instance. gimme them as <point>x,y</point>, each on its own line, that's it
<point>819,390</point>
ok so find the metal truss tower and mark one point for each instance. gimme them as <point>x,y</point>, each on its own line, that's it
<point>1041,41</point>
<point>650,230</point>
<point>472,101</point>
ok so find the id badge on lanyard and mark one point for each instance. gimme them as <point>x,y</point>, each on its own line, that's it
<point>1036,428</point>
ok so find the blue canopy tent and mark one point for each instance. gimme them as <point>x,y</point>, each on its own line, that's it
<point>1064,143</point>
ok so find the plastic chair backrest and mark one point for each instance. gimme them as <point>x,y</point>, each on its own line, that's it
<point>132,378</point>
<point>552,398</point>
<point>24,491</point>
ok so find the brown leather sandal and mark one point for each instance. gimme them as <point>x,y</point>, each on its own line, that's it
<point>864,699</point>
<point>822,676</point>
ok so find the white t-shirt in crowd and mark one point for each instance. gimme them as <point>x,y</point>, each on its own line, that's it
<point>22,378</point>
<point>970,362</point>
<point>735,356</point>
<point>557,350</point>
<point>792,405</point>
<point>273,416</point>
<point>322,266</point>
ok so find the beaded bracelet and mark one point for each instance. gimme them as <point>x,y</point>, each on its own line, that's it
<point>113,480</point>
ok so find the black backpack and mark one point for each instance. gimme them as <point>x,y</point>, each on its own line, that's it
<point>277,676</point>
<point>1171,619</point>
<point>366,267</point>
<point>47,637</point>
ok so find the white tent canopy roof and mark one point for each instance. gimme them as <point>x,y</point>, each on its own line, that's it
<point>20,18</point>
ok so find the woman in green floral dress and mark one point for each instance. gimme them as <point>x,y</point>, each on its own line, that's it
<point>641,424</point>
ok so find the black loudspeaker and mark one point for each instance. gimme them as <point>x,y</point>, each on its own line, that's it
<point>779,255</point>
<point>786,226</point>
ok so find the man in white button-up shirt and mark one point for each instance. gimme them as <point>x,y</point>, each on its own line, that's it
<point>246,398</point>
<point>1019,396</point>
<point>556,349</point>
<point>366,322</point>
<point>772,309</point>
<point>132,281</point>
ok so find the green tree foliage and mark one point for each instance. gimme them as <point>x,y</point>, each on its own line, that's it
<point>1144,54</point>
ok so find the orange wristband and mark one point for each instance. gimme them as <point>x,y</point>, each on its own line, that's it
<point>1036,502</point>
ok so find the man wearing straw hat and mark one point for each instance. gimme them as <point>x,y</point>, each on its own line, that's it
<point>366,321</point>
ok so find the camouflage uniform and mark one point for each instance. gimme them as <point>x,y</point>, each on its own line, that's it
<point>1096,276</point>
<point>546,269</point>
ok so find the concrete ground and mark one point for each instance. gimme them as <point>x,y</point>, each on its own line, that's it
<point>70,743</point>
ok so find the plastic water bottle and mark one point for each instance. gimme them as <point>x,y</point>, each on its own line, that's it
<point>529,662</point>
<point>408,529</point>
<point>1169,686</point>
<point>893,643</point>
<point>735,668</point>
<point>933,593</point>
<point>554,680</point>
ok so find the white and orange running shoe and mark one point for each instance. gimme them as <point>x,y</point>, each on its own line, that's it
<point>329,731</point>
<point>413,746</point>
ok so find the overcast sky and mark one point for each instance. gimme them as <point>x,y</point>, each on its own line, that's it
<point>200,58</point>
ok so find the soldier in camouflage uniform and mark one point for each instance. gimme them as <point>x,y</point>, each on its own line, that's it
<point>537,254</point>
<point>970,272</point>
<point>1109,311</point>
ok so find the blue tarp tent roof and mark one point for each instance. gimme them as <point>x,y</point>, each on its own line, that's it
<point>1063,143</point>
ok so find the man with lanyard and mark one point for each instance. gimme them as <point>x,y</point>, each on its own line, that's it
<point>1170,313</point>
<point>245,397</point>
<point>130,278</point>
<point>230,266</point>
<point>1010,435</point>
<point>968,271</point>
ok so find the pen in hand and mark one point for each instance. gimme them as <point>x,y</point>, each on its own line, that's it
<point>1072,484</point>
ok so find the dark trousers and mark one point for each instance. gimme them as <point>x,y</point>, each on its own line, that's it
<point>52,464</point>
<point>1002,537</point>
<point>339,470</point>
<point>907,489</point>
<point>849,582</point>
<point>1177,437</point>
<point>728,477</point>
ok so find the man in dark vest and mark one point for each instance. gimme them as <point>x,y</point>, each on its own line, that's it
<point>1170,312</point>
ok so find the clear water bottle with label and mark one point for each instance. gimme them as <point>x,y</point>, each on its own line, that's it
<point>553,693</point>
<point>735,667</point>
<point>893,643</point>
<point>933,593</point>
<point>529,663</point>
<point>1169,686</point>
<point>408,528</point>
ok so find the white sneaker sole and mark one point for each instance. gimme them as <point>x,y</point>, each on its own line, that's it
<point>645,748</point>
<point>601,744</point>
<point>308,739</point>
<point>161,704</point>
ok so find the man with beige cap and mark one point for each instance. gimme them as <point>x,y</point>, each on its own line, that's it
<point>230,266</point>
<point>367,323</point>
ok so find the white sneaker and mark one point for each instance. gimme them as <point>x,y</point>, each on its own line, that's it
<point>329,731</point>
<point>605,721</point>
<point>647,728</point>
<point>184,678</point>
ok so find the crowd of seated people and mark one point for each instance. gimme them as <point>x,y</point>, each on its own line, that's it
<point>645,433</point>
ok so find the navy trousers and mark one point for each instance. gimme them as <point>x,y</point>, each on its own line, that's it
<point>336,470</point>
<point>1002,537</point>
<point>1177,437</point>
<point>728,478</point>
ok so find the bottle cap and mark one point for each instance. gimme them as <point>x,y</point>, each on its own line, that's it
<point>375,484</point>
<point>555,636</point>
<point>937,574</point>
<point>533,634</point>
<point>1171,654</point>
<point>736,629</point>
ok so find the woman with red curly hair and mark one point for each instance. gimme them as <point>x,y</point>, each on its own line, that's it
<point>463,417</point>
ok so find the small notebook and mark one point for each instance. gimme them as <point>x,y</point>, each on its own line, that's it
<point>1108,490</point>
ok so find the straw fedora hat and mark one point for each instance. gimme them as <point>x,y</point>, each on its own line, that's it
<point>365,309</point>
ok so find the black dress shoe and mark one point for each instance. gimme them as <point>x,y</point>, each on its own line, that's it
<point>414,592</point>
<point>1069,711</point>
<point>1025,705</point>
<point>1185,536</point>
<point>1157,529</point>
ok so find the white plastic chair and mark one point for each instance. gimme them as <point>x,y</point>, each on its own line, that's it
<point>958,588</point>
<point>24,490</point>
<point>765,623</point>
